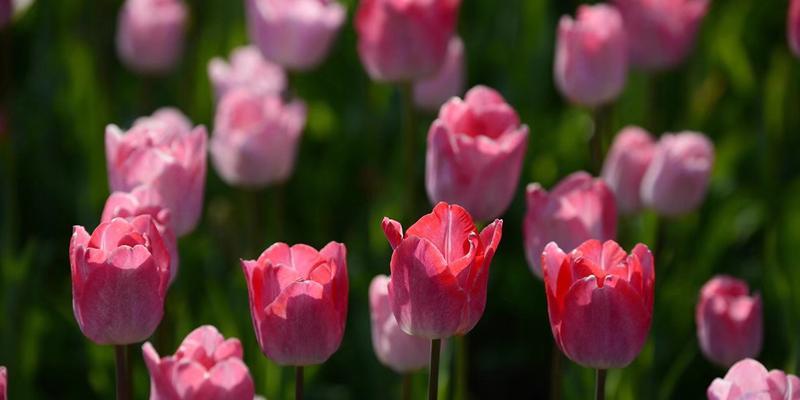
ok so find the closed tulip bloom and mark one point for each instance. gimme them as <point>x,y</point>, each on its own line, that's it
<point>295,34</point>
<point>298,301</point>
<point>793,27</point>
<point>163,152</point>
<point>625,165</point>
<point>150,34</point>
<point>600,301</point>
<point>256,138</point>
<point>475,151</point>
<point>440,269</point>
<point>579,208</point>
<point>677,179</point>
<point>404,40</point>
<point>591,56</point>
<point>247,69</point>
<point>206,366</point>
<point>120,276</point>
<point>748,379</point>
<point>431,93</point>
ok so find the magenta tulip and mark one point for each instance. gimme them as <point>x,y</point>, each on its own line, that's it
<point>150,34</point>
<point>793,27</point>
<point>247,70</point>
<point>748,379</point>
<point>3,383</point>
<point>625,165</point>
<point>431,93</point>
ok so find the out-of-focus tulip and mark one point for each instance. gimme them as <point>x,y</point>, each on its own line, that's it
<point>394,348</point>
<point>298,301</point>
<point>660,32</point>
<point>206,366</point>
<point>120,276</point>
<point>793,27</point>
<point>431,93</point>
<point>625,165</point>
<point>677,179</point>
<point>256,137</point>
<point>161,151</point>
<point>748,379</point>
<point>440,269</point>
<point>294,33</point>
<point>579,208</point>
<point>3,383</point>
<point>247,70</point>
<point>475,151</point>
<point>591,63</point>
<point>150,34</point>
<point>729,321</point>
<point>6,10</point>
<point>404,40</point>
<point>600,301</point>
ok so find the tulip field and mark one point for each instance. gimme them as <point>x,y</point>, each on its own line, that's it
<point>399,199</point>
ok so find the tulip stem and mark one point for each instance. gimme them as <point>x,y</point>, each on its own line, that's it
<point>600,385</point>
<point>123,372</point>
<point>406,389</point>
<point>600,117</point>
<point>433,378</point>
<point>555,373</point>
<point>298,383</point>
<point>461,368</point>
<point>410,144</point>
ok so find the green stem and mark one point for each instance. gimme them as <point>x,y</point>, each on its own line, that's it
<point>406,389</point>
<point>462,360</point>
<point>123,373</point>
<point>600,119</point>
<point>298,383</point>
<point>555,373</point>
<point>409,146</point>
<point>600,385</point>
<point>433,377</point>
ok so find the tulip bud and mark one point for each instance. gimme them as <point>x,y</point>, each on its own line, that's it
<point>748,379</point>
<point>625,165</point>
<point>150,34</point>
<point>247,70</point>
<point>431,93</point>
<point>3,383</point>
<point>475,151</point>
<point>793,27</point>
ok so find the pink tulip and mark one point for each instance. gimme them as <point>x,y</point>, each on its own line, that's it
<point>247,70</point>
<point>729,322</point>
<point>256,138</point>
<point>163,152</point>
<point>600,301</point>
<point>660,32</point>
<point>150,34</point>
<point>677,179</point>
<point>431,93</point>
<point>475,153</point>
<point>206,366</point>
<point>3,383</point>
<point>298,301</point>
<point>294,33</point>
<point>404,40</point>
<point>440,269</point>
<point>579,208</point>
<point>6,11</point>
<point>120,276</point>
<point>793,27</point>
<point>396,349</point>
<point>591,56</point>
<point>748,379</point>
<point>625,165</point>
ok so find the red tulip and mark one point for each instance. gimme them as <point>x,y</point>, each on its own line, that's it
<point>625,165</point>
<point>600,301</point>
<point>150,34</point>
<point>793,27</point>
<point>431,93</point>
<point>748,379</point>
<point>247,70</point>
<point>298,301</point>
<point>440,269</point>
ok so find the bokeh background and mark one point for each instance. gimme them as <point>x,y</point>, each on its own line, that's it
<point>62,83</point>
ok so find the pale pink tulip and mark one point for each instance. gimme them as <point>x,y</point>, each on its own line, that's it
<point>748,379</point>
<point>247,69</point>
<point>625,165</point>
<point>150,34</point>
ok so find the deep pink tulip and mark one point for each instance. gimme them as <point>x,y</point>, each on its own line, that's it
<point>625,165</point>
<point>3,383</point>
<point>120,276</point>
<point>294,33</point>
<point>475,151</point>
<point>206,366</point>
<point>431,93</point>
<point>298,301</point>
<point>600,301</point>
<point>161,151</point>
<point>748,379</point>
<point>440,269</point>
<point>404,40</point>
<point>591,63</point>
<point>247,70</point>
<point>660,32</point>
<point>677,179</point>
<point>150,34</point>
<point>256,138</point>
<point>793,27</point>
<point>579,208</point>
<point>6,11</point>
<point>729,321</point>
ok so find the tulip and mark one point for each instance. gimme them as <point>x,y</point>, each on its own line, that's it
<point>247,70</point>
<point>120,276</point>
<point>600,301</point>
<point>163,152</point>
<point>404,40</point>
<point>660,32</point>
<point>256,137</point>
<point>298,301</point>
<point>748,379</point>
<point>793,27</point>
<point>579,208</point>
<point>150,34</point>
<point>3,383</point>
<point>206,366</point>
<point>591,60</point>
<point>431,93</point>
<point>475,151</point>
<point>677,179</point>
<point>729,322</point>
<point>294,33</point>
<point>625,165</point>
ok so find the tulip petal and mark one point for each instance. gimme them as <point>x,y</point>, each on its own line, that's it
<point>393,231</point>
<point>230,379</point>
<point>448,228</point>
